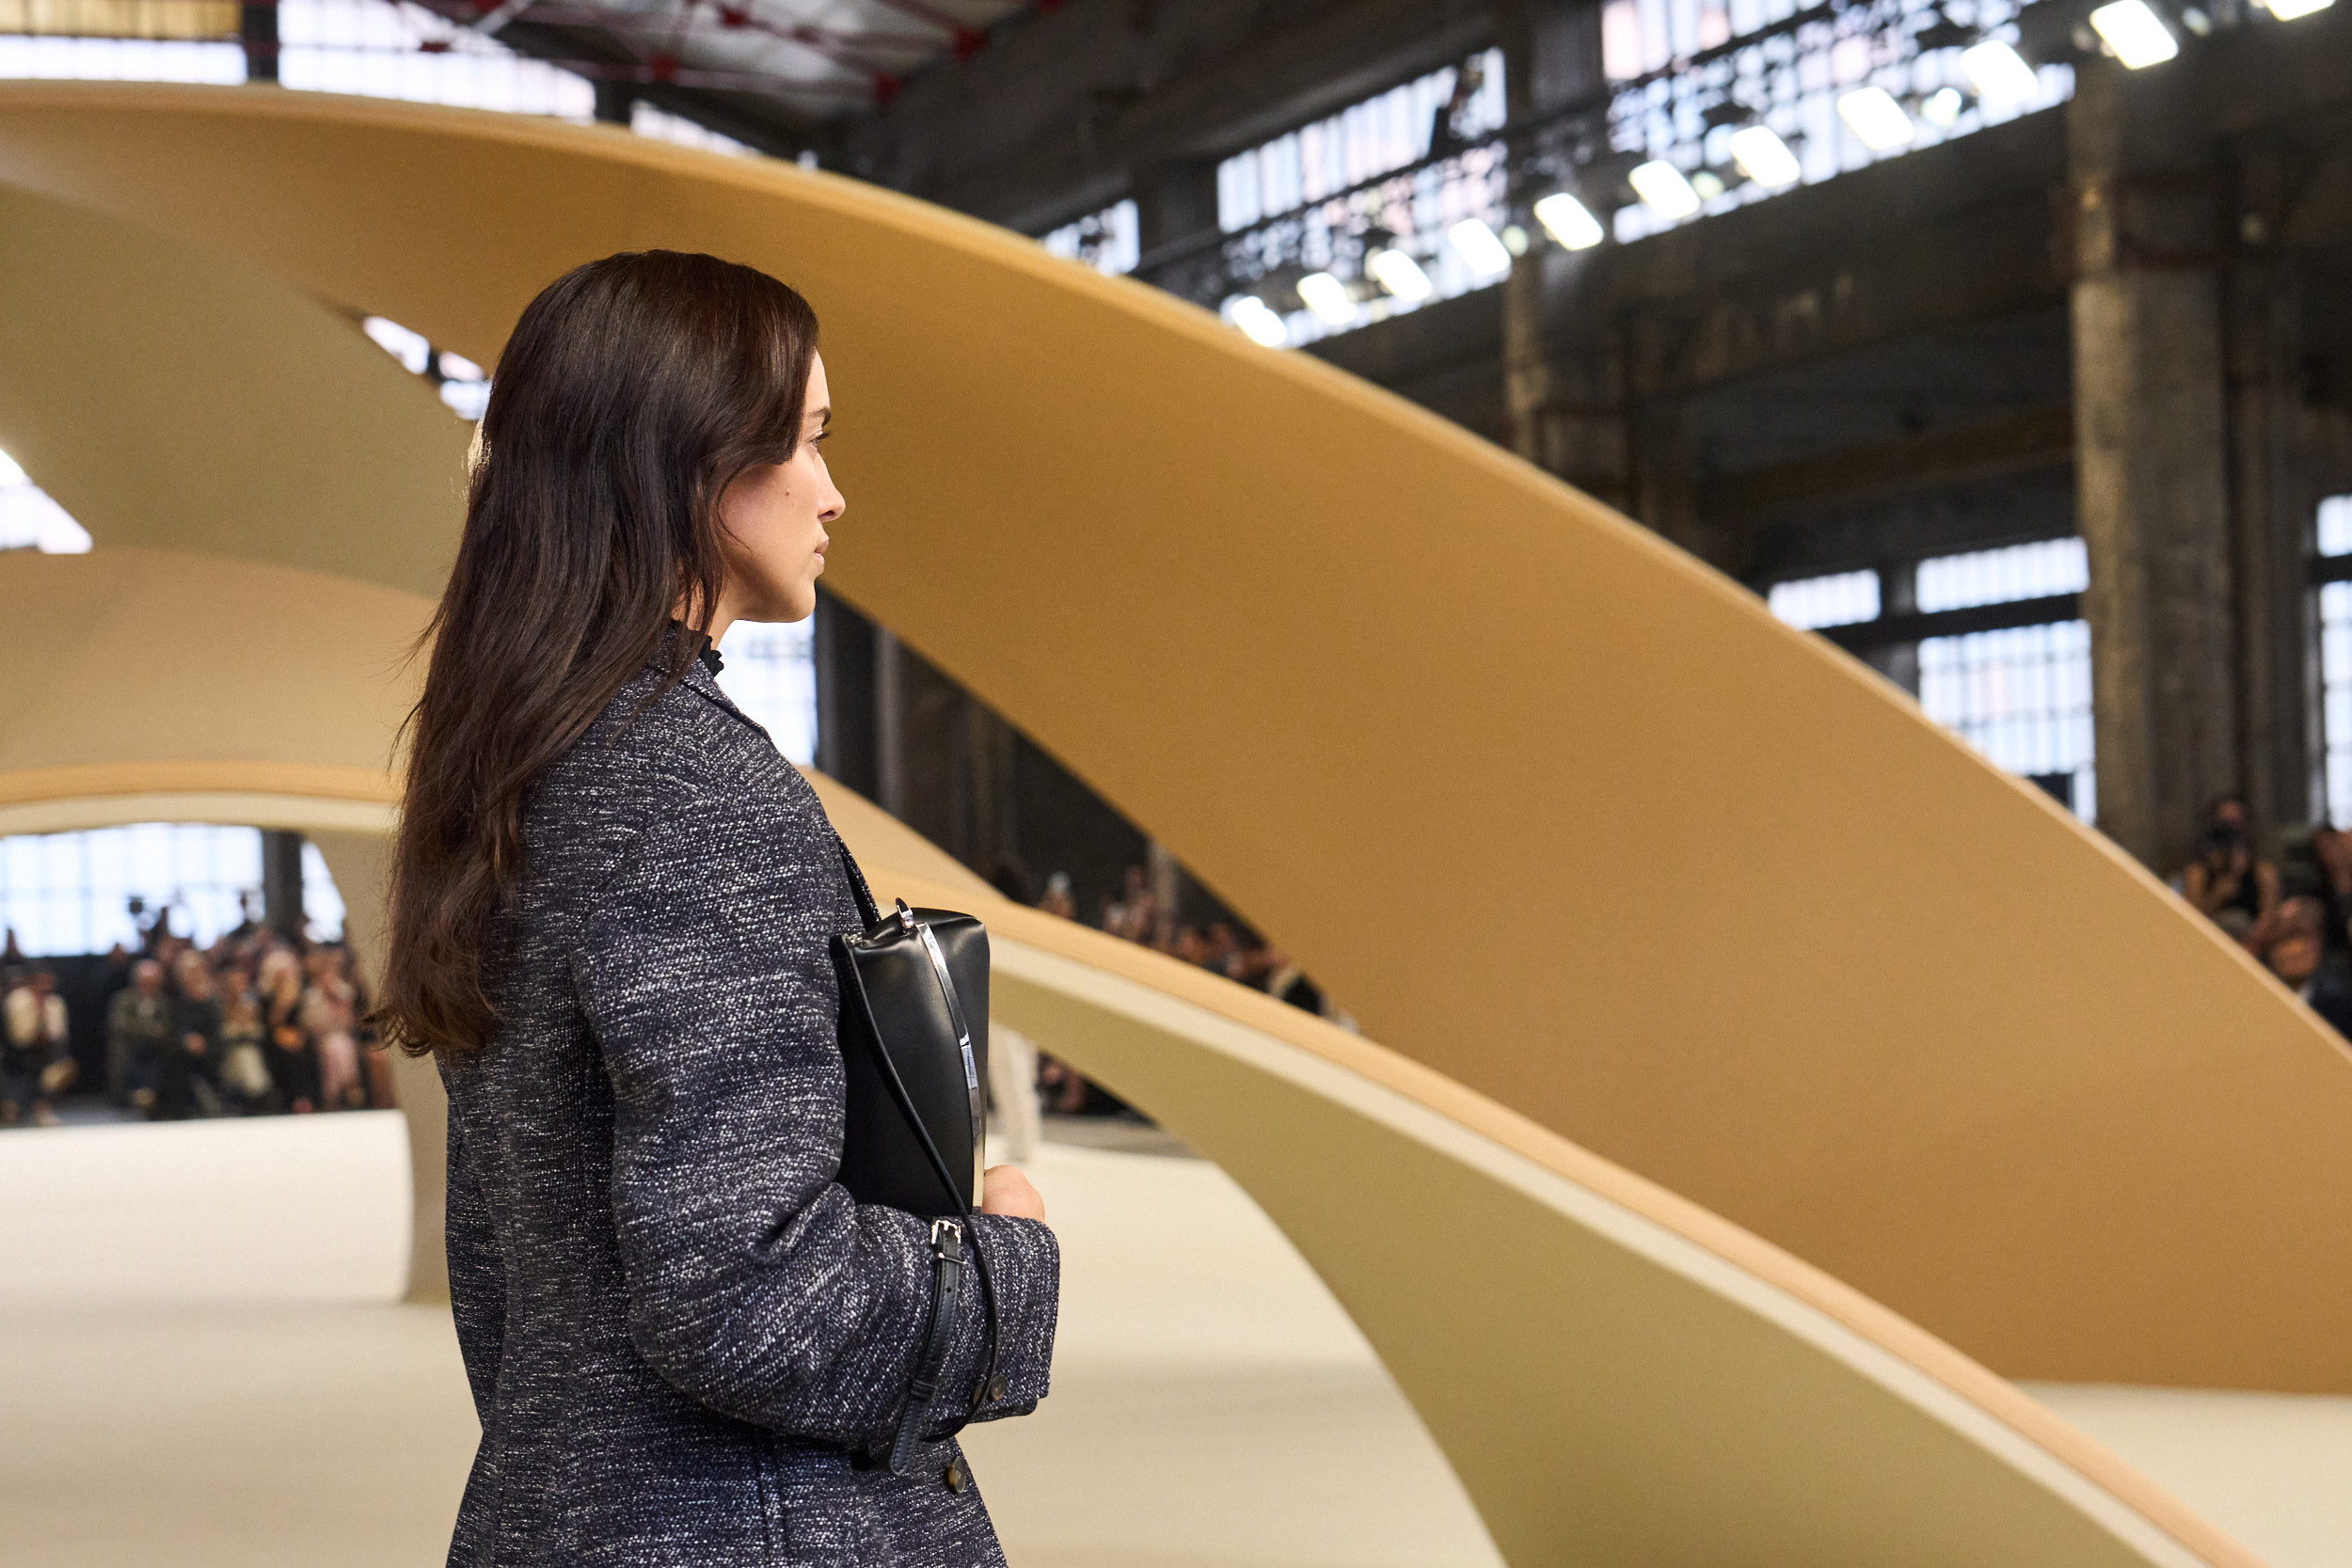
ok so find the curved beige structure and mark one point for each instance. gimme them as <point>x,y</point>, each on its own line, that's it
<point>1552,809</point>
<point>1617,1375</point>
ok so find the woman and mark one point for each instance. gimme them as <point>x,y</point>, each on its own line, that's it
<point>243,1069</point>
<point>293,1062</point>
<point>612,904</point>
<point>330,1016</point>
<point>2228,885</point>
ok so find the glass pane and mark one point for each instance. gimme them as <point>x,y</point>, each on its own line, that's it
<point>771,675</point>
<point>2022,697</point>
<point>2034,571</point>
<point>1841,599</point>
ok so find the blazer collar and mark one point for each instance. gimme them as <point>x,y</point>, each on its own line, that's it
<point>699,679</point>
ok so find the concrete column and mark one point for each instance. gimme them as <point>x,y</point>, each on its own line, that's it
<point>360,863</point>
<point>256,30</point>
<point>282,881</point>
<point>616,103</point>
<point>1175,199</point>
<point>1898,595</point>
<point>1551,56</point>
<point>2152,460</point>
<point>890,760</point>
<point>842,645</point>
<point>988,824</point>
<point>919,721</point>
<point>2276,489</point>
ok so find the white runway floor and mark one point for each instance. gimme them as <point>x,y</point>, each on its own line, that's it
<point>198,1365</point>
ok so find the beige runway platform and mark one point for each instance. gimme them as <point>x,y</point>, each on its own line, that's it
<point>200,1364</point>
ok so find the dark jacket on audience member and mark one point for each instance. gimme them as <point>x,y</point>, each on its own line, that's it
<point>2329,995</point>
<point>675,1323</point>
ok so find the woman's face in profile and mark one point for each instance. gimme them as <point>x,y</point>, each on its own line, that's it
<point>775,516</point>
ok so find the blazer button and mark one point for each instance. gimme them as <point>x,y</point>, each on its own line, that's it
<point>957,1475</point>
<point>998,1388</point>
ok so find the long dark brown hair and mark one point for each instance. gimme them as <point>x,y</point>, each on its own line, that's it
<point>632,392</point>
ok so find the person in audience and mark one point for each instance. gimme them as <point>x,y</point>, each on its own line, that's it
<point>33,1064</point>
<point>1286,982</point>
<point>1136,913</point>
<point>1058,899</point>
<point>293,1063</point>
<point>190,1078</point>
<point>2225,875</point>
<point>1222,951</point>
<point>2331,858</point>
<point>1010,877</point>
<point>245,1080</point>
<point>139,1034</point>
<point>2295,956</point>
<point>330,1018</point>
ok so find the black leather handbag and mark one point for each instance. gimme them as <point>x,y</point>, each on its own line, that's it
<point>913,1033</point>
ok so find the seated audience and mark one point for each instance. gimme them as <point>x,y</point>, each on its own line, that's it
<point>1134,914</point>
<point>256,1023</point>
<point>2296,954</point>
<point>139,1035</point>
<point>34,1066</point>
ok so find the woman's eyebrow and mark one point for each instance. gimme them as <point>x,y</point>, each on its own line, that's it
<point>822,416</point>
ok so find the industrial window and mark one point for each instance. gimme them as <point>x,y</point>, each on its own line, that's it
<point>29,520</point>
<point>65,894</point>
<point>1110,241</point>
<point>122,59</point>
<point>661,125</point>
<point>2020,694</point>
<point>321,902</point>
<point>373,48</point>
<point>463,385</point>
<point>2335,661</point>
<point>1842,599</point>
<point>2037,571</point>
<point>1412,221</point>
<point>385,49</point>
<point>1812,93</point>
<point>772,675</point>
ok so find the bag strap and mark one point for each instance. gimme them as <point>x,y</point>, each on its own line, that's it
<point>939,1336</point>
<point>858,889</point>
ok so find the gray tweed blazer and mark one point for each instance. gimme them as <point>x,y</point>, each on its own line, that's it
<point>676,1324</point>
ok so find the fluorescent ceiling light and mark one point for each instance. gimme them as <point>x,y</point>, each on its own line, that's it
<point>1564,219</point>
<point>1481,248</point>
<point>2287,11</point>
<point>1878,119</point>
<point>1999,74</point>
<point>1328,298</point>
<point>1764,158</point>
<point>1257,321</point>
<point>1664,189</point>
<point>2136,33</point>
<point>1400,274</point>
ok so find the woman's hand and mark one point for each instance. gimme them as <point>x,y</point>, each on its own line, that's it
<point>1005,1190</point>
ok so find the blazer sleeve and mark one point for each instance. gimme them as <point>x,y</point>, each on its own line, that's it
<point>477,1277</point>
<point>754,1284</point>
